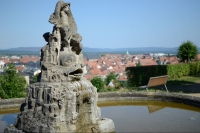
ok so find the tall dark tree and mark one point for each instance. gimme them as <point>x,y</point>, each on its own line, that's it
<point>187,51</point>
<point>12,85</point>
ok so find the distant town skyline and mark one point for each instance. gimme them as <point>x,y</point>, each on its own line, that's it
<point>105,23</point>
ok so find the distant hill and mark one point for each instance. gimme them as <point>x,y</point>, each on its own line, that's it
<point>94,53</point>
<point>87,49</point>
<point>25,49</point>
<point>142,49</point>
<point>110,50</point>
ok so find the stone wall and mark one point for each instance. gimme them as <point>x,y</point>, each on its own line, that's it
<point>11,103</point>
<point>173,97</point>
<point>162,96</point>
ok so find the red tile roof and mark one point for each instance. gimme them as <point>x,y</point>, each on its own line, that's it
<point>6,61</point>
<point>92,64</point>
<point>129,64</point>
<point>163,58</point>
<point>147,62</point>
<point>19,68</point>
<point>95,71</point>
<point>27,59</point>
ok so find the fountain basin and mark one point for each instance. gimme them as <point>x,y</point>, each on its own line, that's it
<point>149,96</point>
<point>123,96</point>
<point>122,103</point>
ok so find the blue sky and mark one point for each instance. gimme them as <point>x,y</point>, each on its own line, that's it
<point>104,23</point>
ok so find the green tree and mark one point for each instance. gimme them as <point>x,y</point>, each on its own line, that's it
<point>187,51</point>
<point>98,83</point>
<point>35,78</point>
<point>110,77</point>
<point>12,85</point>
<point>138,64</point>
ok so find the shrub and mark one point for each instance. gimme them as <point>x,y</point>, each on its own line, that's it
<point>12,85</point>
<point>98,83</point>
<point>140,75</point>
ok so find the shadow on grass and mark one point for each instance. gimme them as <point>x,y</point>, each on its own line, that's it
<point>178,86</point>
<point>183,86</point>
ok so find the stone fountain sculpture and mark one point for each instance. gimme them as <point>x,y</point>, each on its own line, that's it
<point>62,100</point>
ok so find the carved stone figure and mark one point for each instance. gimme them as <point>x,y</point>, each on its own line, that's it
<point>62,100</point>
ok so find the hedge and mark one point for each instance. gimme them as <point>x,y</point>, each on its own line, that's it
<point>140,75</point>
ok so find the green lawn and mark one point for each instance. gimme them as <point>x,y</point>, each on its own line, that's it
<point>186,84</point>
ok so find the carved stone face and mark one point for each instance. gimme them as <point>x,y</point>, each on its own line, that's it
<point>71,61</point>
<point>67,59</point>
<point>53,19</point>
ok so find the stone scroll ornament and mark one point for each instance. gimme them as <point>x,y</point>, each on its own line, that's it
<point>62,100</point>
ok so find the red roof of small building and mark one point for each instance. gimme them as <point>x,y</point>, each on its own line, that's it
<point>129,64</point>
<point>6,61</point>
<point>27,59</point>
<point>147,62</point>
<point>19,68</point>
